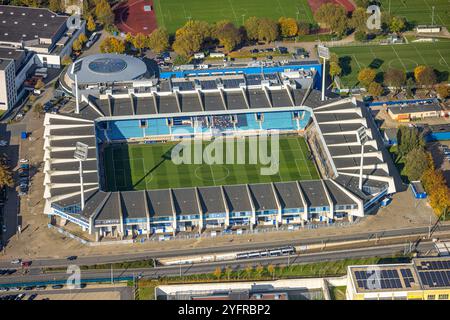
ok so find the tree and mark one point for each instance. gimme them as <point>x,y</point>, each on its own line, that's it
<point>359,20</point>
<point>443,90</point>
<point>438,192</point>
<point>288,27</point>
<point>139,41</point>
<point>189,38</point>
<point>408,140</point>
<point>375,89</point>
<point>228,34</point>
<point>158,40</point>
<point>104,13</point>
<point>248,270</point>
<point>303,28</point>
<point>77,45</point>
<point>6,179</point>
<point>271,270</point>
<point>395,78</point>
<point>55,5</point>
<point>335,69</point>
<point>259,270</point>
<point>362,3</point>
<point>39,84</point>
<point>397,24</point>
<point>366,76</point>
<point>425,75</point>
<point>66,60</point>
<point>38,109</point>
<point>416,162</point>
<point>218,272</point>
<point>82,38</point>
<point>334,16</point>
<point>91,26</point>
<point>267,30</point>
<point>252,28</point>
<point>112,45</point>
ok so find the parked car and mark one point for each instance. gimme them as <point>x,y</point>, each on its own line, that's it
<point>26,264</point>
<point>57,286</point>
<point>71,258</point>
<point>3,143</point>
<point>16,261</point>
<point>25,166</point>
<point>23,160</point>
<point>4,229</point>
<point>2,289</point>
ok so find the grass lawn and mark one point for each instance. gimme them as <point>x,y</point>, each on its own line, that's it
<point>420,11</point>
<point>404,56</point>
<point>149,166</point>
<point>172,14</point>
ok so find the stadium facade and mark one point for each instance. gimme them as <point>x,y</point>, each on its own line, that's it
<point>232,105</point>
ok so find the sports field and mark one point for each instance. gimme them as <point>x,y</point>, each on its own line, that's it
<point>172,14</point>
<point>404,56</point>
<point>420,11</point>
<point>149,166</point>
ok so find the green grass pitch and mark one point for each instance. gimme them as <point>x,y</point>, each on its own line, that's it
<point>420,11</point>
<point>148,166</point>
<point>403,56</point>
<point>172,14</point>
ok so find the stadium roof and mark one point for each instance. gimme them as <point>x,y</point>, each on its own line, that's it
<point>336,121</point>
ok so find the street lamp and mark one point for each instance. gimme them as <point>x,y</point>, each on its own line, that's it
<point>81,153</point>
<point>362,137</point>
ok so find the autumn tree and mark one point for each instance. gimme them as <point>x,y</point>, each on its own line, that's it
<point>104,13</point>
<point>38,109</point>
<point>397,24</point>
<point>395,78</point>
<point>366,76</point>
<point>112,45</point>
<point>39,84</point>
<point>158,40</point>
<point>303,28</point>
<point>248,270</point>
<point>359,20</point>
<point>90,25</point>
<point>77,45</point>
<point>333,16</point>
<point>252,28</point>
<point>271,270</point>
<point>66,60</point>
<point>438,192</point>
<point>425,75</point>
<point>228,271</point>
<point>218,272</point>
<point>55,5</point>
<point>443,90</point>
<point>288,27</point>
<point>416,162</point>
<point>190,38</point>
<point>259,270</point>
<point>228,34</point>
<point>82,38</point>
<point>6,178</point>
<point>375,89</point>
<point>139,41</point>
<point>267,30</point>
<point>334,69</point>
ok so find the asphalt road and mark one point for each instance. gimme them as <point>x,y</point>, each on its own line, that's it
<point>152,273</point>
<point>90,260</point>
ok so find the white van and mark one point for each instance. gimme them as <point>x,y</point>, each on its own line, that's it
<point>199,55</point>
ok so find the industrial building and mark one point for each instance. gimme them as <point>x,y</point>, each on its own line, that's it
<point>31,37</point>
<point>422,279</point>
<point>136,112</point>
<point>412,112</point>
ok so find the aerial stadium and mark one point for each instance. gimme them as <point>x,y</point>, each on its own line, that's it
<point>127,185</point>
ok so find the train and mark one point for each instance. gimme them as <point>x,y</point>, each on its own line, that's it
<point>276,252</point>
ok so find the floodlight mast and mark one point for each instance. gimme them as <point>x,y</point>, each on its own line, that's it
<point>362,138</point>
<point>324,53</point>
<point>81,152</point>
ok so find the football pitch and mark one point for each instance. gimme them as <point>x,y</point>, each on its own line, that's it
<point>149,166</point>
<point>173,14</point>
<point>402,56</point>
<point>420,11</point>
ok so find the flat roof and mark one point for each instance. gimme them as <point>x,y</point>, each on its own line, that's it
<point>26,23</point>
<point>414,108</point>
